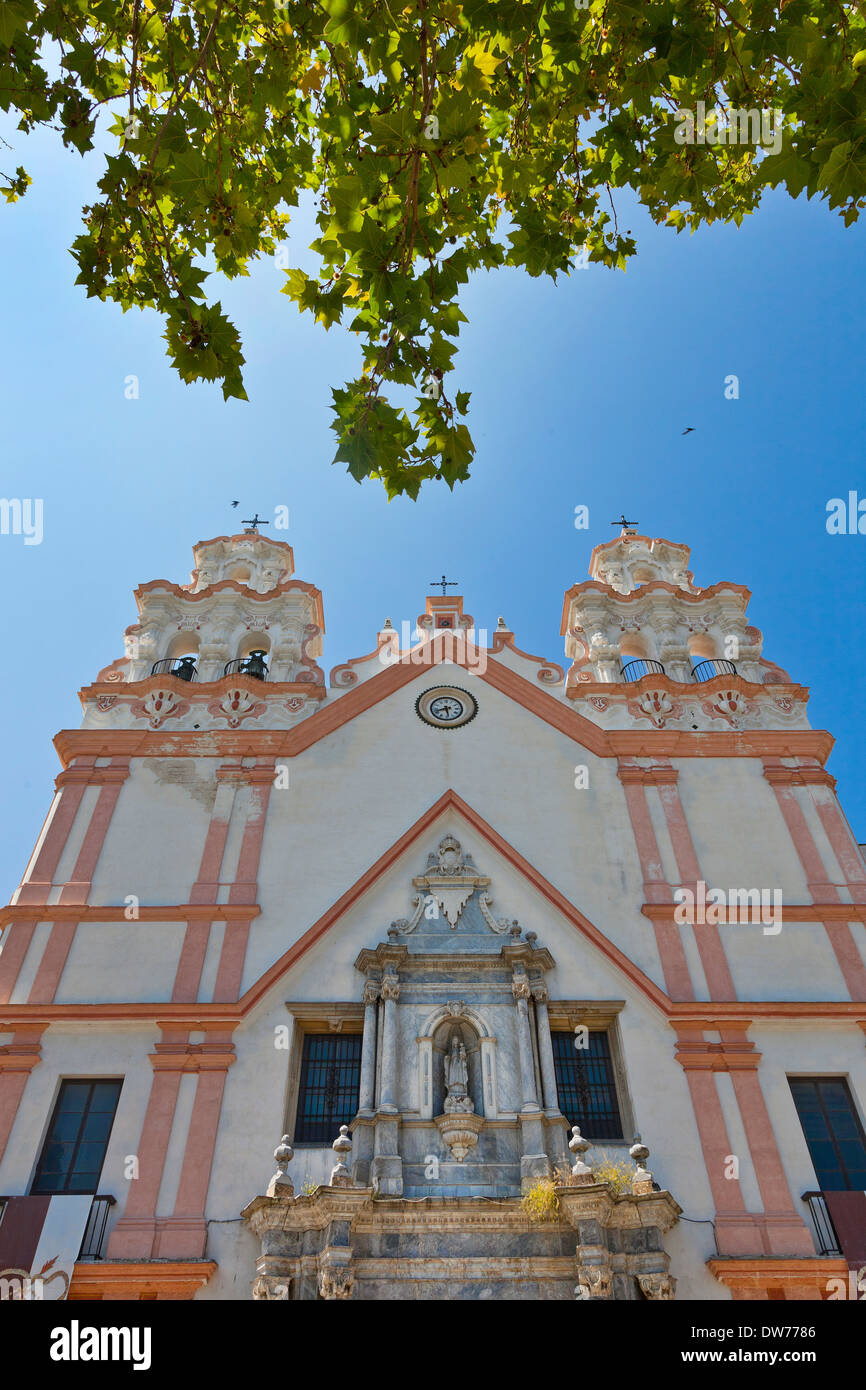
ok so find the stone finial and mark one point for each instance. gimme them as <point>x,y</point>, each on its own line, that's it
<point>388,625</point>
<point>531,938</point>
<point>502,625</point>
<point>514,931</point>
<point>342,1146</point>
<point>281,1184</point>
<point>581,1173</point>
<point>393,932</point>
<point>643,1179</point>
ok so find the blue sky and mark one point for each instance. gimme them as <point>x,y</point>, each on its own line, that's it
<point>580,395</point>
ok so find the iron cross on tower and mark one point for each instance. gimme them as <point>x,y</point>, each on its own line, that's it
<point>255,522</point>
<point>446,584</point>
<point>623,523</point>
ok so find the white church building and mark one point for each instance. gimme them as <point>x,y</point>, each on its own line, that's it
<point>441,932</point>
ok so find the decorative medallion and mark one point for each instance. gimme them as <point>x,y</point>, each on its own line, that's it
<point>446,707</point>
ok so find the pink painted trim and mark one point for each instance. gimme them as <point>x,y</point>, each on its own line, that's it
<point>204,890</point>
<point>843,844</point>
<point>133,1236</point>
<point>38,886</point>
<point>12,956</point>
<point>12,1086</point>
<point>720,982</point>
<point>245,888</point>
<point>198,1155</point>
<point>227,989</point>
<point>838,933</point>
<point>715,1144</point>
<point>17,1060</point>
<point>191,962</point>
<point>53,962</point>
<point>848,956</point>
<point>790,1236</point>
<point>77,890</point>
<point>675,968</point>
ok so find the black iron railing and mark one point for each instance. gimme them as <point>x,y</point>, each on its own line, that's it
<point>825,1231</point>
<point>633,670</point>
<point>252,665</point>
<point>183,667</point>
<point>718,666</point>
<point>94,1231</point>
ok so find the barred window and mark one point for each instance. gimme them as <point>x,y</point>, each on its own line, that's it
<point>74,1149</point>
<point>330,1084</point>
<point>833,1132</point>
<point>586,1086</point>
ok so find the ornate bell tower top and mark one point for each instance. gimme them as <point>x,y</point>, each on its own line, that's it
<point>631,560</point>
<point>253,560</point>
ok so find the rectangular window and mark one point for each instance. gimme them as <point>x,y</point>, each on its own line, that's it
<point>833,1132</point>
<point>330,1084</point>
<point>74,1149</point>
<point>586,1085</point>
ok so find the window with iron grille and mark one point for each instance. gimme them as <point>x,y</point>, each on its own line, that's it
<point>833,1131</point>
<point>586,1086</point>
<point>74,1148</point>
<point>330,1084</point>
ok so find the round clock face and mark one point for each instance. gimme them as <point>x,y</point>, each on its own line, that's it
<point>446,707</point>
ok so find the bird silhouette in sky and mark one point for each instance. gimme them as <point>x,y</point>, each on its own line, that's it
<point>689,429</point>
<point>236,504</point>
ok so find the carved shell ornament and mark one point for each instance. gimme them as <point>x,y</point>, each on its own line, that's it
<point>235,705</point>
<point>157,706</point>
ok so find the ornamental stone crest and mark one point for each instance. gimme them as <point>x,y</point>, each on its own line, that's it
<point>450,878</point>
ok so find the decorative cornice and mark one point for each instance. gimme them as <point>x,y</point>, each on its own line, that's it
<point>113,912</point>
<point>129,1279</point>
<point>788,912</point>
<point>598,588</point>
<point>779,775</point>
<point>314,690</point>
<point>766,1272</point>
<point>580,689</point>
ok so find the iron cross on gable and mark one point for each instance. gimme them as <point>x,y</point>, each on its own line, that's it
<point>446,584</point>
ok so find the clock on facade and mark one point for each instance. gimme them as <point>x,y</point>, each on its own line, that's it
<point>446,707</point>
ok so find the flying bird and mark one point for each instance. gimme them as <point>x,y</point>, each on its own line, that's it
<point>689,429</point>
<point>236,504</point>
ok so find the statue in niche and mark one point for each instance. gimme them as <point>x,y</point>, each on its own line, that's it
<point>457,1099</point>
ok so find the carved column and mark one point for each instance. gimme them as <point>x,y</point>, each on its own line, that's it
<point>390,989</point>
<point>386,1169</point>
<point>367,1096</point>
<point>522,994</point>
<point>534,1162</point>
<point>545,1048</point>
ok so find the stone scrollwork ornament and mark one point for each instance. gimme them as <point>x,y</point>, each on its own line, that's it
<point>336,1283</point>
<point>657,1286</point>
<point>272,1286</point>
<point>596,1280</point>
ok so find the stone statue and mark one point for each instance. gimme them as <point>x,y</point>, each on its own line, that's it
<point>457,1078</point>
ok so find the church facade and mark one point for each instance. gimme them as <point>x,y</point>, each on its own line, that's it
<point>537,980</point>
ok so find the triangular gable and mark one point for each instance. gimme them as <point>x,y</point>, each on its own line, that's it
<point>360,698</point>
<point>451,801</point>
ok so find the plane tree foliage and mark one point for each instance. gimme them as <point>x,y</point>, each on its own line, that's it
<point>436,138</point>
